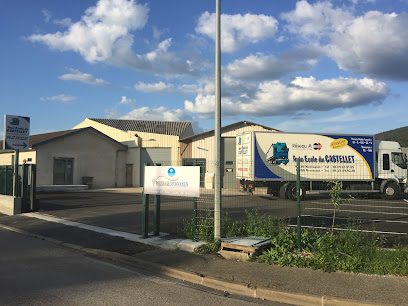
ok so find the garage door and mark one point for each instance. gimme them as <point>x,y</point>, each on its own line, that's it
<point>228,163</point>
<point>154,156</point>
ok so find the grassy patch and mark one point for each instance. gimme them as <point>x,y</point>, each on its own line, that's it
<point>350,250</point>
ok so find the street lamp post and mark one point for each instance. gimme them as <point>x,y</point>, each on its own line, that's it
<point>217,130</point>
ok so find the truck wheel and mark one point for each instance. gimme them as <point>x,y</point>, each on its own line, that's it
<point>291,191</point>
<point>391,191</point>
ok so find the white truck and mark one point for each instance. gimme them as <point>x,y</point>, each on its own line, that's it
<point>362,164</point>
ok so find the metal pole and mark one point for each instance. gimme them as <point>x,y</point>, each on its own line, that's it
<point>33,204</point>
<point>217,130</point>
<point>299,242</point>
<point>16,189</point>
<point>195,213</point>
<point>156,213</point>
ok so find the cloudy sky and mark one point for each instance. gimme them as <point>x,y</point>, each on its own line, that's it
<point>298,66</point>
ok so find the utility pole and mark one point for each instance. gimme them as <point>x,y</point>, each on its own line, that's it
<point>217,130</point>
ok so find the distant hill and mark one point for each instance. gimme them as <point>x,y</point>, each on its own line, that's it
<point>400,135</point>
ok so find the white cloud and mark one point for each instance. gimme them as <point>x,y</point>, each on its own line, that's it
<point>127,101</point>
<point>65,22</point>
<point>59,98</point>
<point>163,88</point>
<point>159,114</point>
<point>375,44</point>
<point>100,30</point>
<point>238,30</point>
<point>262,67</point>
<point>316,20</point>
<point>162,114</point>
<point>159,87</point>
<point>87,78</point>
<point>47,15</point>
<point>352,115</point>
<point>302,94</point>
<point>157,33</point>
<point>104,34</point>
<point>111,113</point>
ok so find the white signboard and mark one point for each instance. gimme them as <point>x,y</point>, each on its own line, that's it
<point>16,132</point>
<point>182,181</point>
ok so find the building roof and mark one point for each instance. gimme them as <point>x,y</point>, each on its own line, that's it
<point>249,123</point>
<point>157,127</point>
<point>40,139</point>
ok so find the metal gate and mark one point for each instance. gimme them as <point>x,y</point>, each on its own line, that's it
<point>228,163</point>
<point>154,156</point>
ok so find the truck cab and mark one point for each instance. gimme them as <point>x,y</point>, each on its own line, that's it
<point>278,154</point>
<point>391,168</point>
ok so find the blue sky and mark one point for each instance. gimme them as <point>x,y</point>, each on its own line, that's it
<point>298,66</point>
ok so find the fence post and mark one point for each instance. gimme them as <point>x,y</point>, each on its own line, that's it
<point>24,188</point>
<point>195,219</point>
<point>299,242</point>
<point>16,189</point>
<point>33,204</point>
<point>145,210</point>
<point>4,191</point>
<point>156,213</point>
<point>9,180</point>
<point>194,212</point>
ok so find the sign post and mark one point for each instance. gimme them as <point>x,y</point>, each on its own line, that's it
<point>16,137</point>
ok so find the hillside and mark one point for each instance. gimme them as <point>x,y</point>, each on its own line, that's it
<point>400,135</point>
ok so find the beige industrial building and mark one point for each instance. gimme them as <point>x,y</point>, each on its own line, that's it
<point>199,150</point>
<point>66,157</point>
<point>113,151</point>
<point>147,141</point>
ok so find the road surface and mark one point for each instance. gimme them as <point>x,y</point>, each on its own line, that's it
<point>36,272</point>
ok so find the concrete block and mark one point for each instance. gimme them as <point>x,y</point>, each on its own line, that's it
<point>10,205</point>
<point>190,246</point>
<point>170,244</point>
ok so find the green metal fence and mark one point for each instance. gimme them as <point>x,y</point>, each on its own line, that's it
<point>6,180</point>
<point>26,185</point>
<point>364,210</point>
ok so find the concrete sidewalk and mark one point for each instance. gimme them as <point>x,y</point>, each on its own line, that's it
<point>281,284</point>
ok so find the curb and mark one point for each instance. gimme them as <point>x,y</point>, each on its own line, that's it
<point>206,281</point>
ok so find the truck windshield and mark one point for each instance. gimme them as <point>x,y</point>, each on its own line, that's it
<point>399,160</point>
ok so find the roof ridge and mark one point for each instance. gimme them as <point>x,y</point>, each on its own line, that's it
<point>175,128</point>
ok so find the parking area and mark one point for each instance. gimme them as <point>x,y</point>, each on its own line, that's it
<point>121,209</point>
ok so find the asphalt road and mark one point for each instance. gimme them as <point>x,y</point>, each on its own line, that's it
<point>123,211</point>
<point>36,272</point>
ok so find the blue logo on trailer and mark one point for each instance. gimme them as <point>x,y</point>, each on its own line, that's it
<point>171,172</point>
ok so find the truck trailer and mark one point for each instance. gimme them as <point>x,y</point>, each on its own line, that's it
<point>361,163</point>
